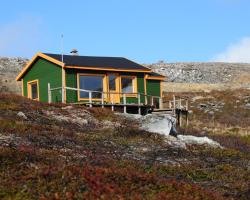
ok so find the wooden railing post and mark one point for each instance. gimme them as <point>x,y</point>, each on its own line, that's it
<point>160,103</point>
<point>139,104</point>
<point>63,95</point>
<point>174,109</point>
<point>152,101</point>
<point>124,103</point>
<point>112,102</point>
<point>49,93</point>
<point>102,100</point>
<point>90,99</point>
<point>146,100</point>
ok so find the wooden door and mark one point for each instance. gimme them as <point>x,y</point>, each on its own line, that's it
<point>114,88</point>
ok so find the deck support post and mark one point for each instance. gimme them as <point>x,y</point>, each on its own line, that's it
<point>139,104</point>
<point>146,100</point>
<point>152,101</point>
<point>112,102</point>
<point>180,119</point>
<point>102,100</point>
<point>90,99</point>
<point>49,93</point>
<point>187,118</point>
<point>174,110</point>
<point>124,103</point>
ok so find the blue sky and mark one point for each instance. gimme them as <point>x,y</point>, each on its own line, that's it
<point>143,30</point>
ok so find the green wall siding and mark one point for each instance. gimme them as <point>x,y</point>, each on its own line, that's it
<point>46,72</point>
<point>154,89</point>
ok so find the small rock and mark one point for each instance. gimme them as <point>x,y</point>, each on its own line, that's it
<point>211,113</point>
<point>67,107</point>
<point>107,123</point>
<point>197,98</point>
<point>247,106</point>
<point>22,115</point>
<point>202,105</point>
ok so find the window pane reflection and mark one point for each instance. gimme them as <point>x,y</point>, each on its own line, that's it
<point>127,85</point>
<point>91,83</point>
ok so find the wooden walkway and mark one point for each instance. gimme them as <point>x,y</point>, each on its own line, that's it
<point>178,108</point>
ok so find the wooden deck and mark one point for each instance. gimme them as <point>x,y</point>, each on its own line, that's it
<point>177,107</point>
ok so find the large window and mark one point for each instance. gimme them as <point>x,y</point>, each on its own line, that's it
<point>91,82</point>
<point>128,84</point>
<point>33,92</point>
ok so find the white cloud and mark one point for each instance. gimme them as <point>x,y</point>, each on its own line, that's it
<point>238,52</point>
<point>21,37</point>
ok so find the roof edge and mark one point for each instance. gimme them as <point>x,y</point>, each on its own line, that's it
<point>108,69</point>
<point>29,64</point>
<point>160,77</point>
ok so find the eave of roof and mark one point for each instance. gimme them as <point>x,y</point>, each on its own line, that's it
<point>155,76</point>
<point>107,69</point>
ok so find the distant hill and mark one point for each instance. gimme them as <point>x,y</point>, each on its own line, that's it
<point>203,72</point>
<point>203,76</point>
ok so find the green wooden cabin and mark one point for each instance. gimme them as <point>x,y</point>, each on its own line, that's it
<point>110,78</point>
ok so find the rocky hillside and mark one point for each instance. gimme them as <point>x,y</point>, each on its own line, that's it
<point>208,73</point>
<point>218,111</point>
<point>9,68</point>
<point>72,152</point>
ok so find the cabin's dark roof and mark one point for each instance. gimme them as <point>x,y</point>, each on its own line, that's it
<point>98,62</point>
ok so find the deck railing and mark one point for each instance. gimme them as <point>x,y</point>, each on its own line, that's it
<point>176,105</point>
<point>108,98</point>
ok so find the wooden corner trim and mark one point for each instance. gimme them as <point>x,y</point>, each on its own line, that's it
<point>22,88</point>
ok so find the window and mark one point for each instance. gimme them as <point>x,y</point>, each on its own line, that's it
<point>33,90</point>
<point>128,84</point>
<point>112,82</point>
<point>34,94</point>
<point>91,82</point>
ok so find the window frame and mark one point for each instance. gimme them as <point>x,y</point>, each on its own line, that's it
<point>104,80</point>
<point>134,85</point>
<point>29,89</point>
